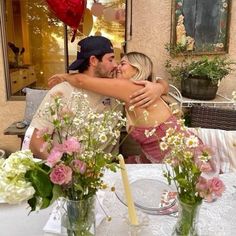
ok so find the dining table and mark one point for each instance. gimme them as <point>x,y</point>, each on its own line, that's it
<point>216,218</point>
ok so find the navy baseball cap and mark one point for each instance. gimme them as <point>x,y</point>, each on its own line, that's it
<point>91,46</point>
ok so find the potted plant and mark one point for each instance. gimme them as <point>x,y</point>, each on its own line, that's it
<point>200,78</point>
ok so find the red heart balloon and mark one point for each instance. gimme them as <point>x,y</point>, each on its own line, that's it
<point>68,11</point>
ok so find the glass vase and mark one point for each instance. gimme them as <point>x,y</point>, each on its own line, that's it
<point>78,217</point>
<point>187,219</point>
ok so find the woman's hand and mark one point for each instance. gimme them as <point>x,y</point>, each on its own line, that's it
<point>56,79</point>
<point>148,94</point>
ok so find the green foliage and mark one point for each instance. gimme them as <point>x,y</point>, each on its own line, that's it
<point>214,69</point>
<point>40,180</point>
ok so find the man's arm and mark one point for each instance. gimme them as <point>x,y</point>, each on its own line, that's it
<point>36,146</point>
<point>151,91</point>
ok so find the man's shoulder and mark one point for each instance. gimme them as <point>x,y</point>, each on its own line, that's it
<point>63,85</point>
<point>65,88</point>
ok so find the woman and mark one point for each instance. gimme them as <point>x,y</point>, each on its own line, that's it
<point>147,126</point>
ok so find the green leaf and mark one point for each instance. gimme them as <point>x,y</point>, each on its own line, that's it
<point>182,182</point>
<point>45,203</point>
<point>32,202</point>
<point>112,167</point>
<point>56,193</point>
<point>78,187</point>
<point>41,183</point>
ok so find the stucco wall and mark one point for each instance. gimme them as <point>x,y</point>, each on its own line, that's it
<point>151,30</point>
<point>10,111</point>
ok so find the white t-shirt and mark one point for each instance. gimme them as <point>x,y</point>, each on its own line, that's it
<point>97,102</point>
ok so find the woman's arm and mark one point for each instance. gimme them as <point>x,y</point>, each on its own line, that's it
<point>117,88</point>
<point>35,145</point>
<point>148,93</point>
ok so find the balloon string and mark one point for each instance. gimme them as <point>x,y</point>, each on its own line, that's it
<point>73,35</point>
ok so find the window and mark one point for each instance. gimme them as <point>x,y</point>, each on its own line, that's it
<point>37,45</point>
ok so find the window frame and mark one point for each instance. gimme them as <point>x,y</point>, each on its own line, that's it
<point>6,71</point>
<point>4,45</point>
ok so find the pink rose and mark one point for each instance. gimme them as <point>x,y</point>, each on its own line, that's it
<point>71,145</point>
<point>216,186</point>
<point>54,157</point>
<point>61,174</point>
<point>202,184</point>
<point>205,167</point>
<point>203,189</point>
<point>79,166</point>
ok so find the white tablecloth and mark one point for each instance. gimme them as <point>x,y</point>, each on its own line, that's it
<point>217,218</point>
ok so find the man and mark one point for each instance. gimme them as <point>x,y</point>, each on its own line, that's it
<point>95,57</point>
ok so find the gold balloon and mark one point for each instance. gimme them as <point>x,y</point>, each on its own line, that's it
<point>118,53</point>
<point>87,22</point>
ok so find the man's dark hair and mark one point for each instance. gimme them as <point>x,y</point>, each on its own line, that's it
<point>85,65</point>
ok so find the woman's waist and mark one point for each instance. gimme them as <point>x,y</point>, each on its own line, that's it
<point>140,126</point>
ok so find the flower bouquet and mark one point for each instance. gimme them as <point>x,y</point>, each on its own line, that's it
<point>188,162</point>
<point>75,164</point>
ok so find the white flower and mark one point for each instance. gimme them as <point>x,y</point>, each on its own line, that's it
<point>169,132</point>
<point>13,186</point>
<point>204,158</point>
<point>103,138</point>
<point>173,104</point>
<point>117,134</point>
<point>131,108</point>
<point>18,162</point>
<point>163,146</point>
<point>145,114</point>
<point>114,142</point>
<point>175,111</point>
<point>16,192</point>
<point>192,141</point>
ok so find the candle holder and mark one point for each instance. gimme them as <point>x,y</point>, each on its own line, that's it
<point>120,225</point>
<point>141,228</point>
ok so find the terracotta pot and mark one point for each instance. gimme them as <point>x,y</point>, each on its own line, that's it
<point>199,88</point>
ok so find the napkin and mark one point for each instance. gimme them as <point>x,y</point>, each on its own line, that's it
<point>168,198</point>
<point>53,224</point>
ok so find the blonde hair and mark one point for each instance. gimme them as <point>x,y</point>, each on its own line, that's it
<point>142,63</point>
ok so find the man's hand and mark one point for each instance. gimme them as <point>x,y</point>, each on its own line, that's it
<point>147,95</point>
<point>56,79</point>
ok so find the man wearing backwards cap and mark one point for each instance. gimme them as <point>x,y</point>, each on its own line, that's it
<point>95,57</point>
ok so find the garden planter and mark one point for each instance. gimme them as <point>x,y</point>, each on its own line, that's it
<point>199,88</point>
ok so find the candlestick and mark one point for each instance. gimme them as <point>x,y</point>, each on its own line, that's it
<point>128,194</point>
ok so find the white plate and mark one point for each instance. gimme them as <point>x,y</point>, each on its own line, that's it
<point>149,195</point>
